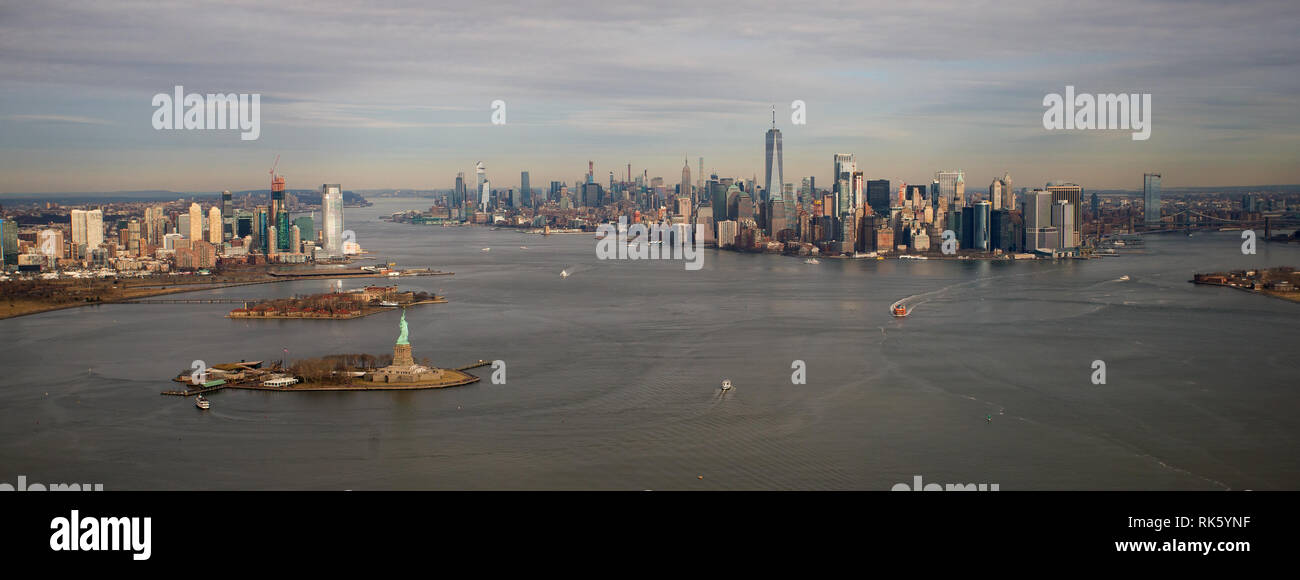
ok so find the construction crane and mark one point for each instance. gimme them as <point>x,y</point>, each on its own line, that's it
<point>274,165</point>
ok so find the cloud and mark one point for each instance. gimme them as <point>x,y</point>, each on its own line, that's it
<point>58,119</point>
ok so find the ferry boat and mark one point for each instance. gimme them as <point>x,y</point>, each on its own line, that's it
<point>911,257</point>
<point>389,303</point>
<point>812,261</point>
<point>202,402</point>
<point>726,384</point>
<point>900,311</point>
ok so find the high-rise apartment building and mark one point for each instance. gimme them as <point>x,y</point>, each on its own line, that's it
<point>332,204</point>
<point>196,222</point>
<point>214,225</point>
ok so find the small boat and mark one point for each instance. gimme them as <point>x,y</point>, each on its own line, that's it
<point>726,384</point>
<point>564,273</point>
<point>201,402</point>
<point>487,249</point>
<point>1123,278</point>
<point>900,310</point>
<point>812,261</point>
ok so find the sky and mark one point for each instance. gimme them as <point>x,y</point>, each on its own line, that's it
<point>378,95</point>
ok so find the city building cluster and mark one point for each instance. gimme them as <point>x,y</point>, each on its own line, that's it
<point>183,235</point>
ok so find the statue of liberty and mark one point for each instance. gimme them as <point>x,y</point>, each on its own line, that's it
<point>401,338</point>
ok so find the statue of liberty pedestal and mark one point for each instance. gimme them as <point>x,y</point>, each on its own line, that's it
<point>404,369</point>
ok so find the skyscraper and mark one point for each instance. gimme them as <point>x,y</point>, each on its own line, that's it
<point>878,196</point>
<point>951,186</point>
<point>1151,198</point>
<point>8,242</point>
<point>1070,193</point>
<point>525,189</point>
<point>227,217</point>
<point>196,222</point>
<point>1037,211</point>
<point>1008,193</point>
<point>981,231</point>
<point>458,194</point>
<point>846,165</point>
<point>79,227</point>
<point>685,190</point>
<point>773,175</point>
<point>480,199</point>
<point>1063,219</point>
<point>332,204</point>
<point>214,225</point>
<point>261,222</point>
<point>699,181</point>
<point>995,193</point>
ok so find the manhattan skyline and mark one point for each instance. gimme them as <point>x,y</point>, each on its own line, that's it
<point>401,98</point>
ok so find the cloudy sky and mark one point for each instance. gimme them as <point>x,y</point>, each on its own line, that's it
<point>398,94</point>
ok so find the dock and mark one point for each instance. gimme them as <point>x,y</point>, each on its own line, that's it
<point>480,363</point>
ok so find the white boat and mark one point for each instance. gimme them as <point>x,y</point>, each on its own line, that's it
<point>726,384</point>
<point>389,303</point>
<point>812,261</point>
<point>487,249</point>
<point>1123,278</point>
<point>201,402</point>
<point>564,273</point>
<point>523,247</point>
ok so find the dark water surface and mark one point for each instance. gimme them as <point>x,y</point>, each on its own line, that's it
<point>613,374</point>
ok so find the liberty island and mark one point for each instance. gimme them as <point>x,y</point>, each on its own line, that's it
<point>339,373</point>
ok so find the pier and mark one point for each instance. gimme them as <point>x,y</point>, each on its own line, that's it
<point>480,363</point>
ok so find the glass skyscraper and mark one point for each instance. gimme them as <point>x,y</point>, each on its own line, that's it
<point>1151,198</point>
<point>878,196</point>
<point>774,177</point>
